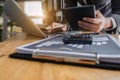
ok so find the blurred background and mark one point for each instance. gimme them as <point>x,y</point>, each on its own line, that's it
<point>41,12</point>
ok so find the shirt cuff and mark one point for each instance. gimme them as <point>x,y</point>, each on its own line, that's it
<point>113,23</point>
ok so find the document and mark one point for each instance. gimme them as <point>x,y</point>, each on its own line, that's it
<point>104,48</point>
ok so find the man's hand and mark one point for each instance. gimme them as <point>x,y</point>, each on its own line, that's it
<point>96,24</point>
<point>56,27</point>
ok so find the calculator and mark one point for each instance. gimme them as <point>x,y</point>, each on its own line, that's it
<point>78,39</point>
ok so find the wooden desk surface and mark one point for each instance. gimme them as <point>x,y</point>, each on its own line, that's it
<point>15,69</point>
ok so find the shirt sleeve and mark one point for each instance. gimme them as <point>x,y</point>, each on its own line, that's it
<point>113,23</point>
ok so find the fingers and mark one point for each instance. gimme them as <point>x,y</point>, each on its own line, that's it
<point>90,26</point>
<point>85,25</point>
<point>56,30</point>
<point>96,20</point>
<point>56,27</point>
<point>92,20</point>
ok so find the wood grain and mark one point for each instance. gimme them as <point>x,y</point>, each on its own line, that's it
<point>15,69</point>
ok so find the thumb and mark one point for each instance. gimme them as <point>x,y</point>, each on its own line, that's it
<point>98,14</point>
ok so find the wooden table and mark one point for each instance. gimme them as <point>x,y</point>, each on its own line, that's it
<point>15,69</point>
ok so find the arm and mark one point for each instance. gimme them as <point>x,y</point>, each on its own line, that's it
<point>96,24</point>
<point>102,22</point>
